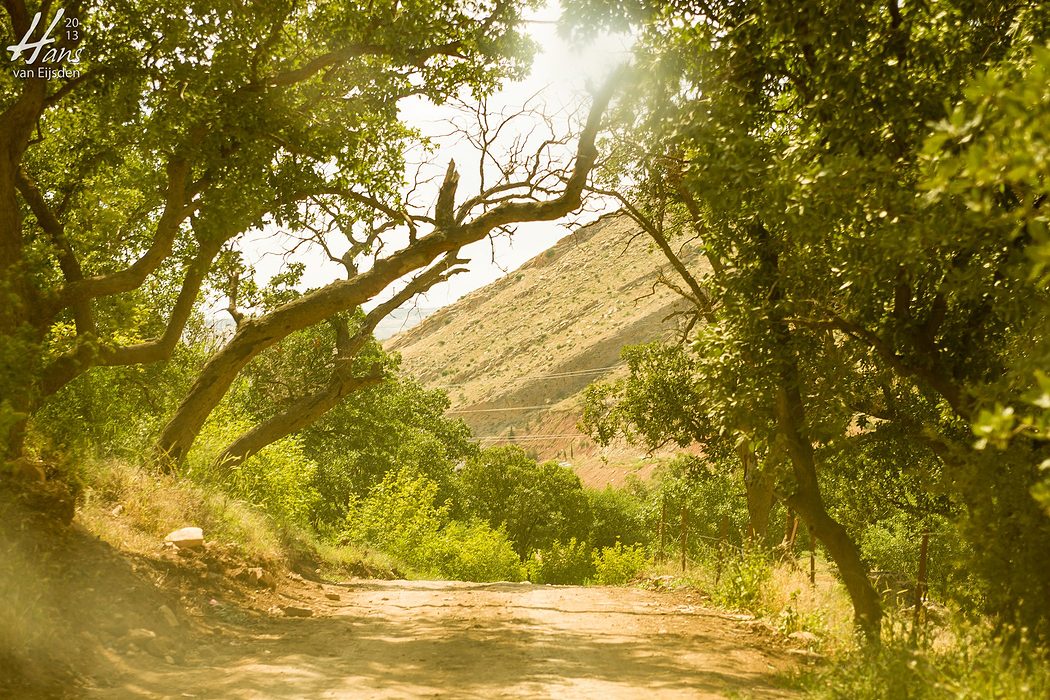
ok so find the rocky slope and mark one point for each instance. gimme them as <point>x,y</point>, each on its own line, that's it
<point>516,354</point>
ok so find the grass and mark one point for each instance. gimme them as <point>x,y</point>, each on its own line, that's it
<point>956,659</point>
<point>777,592</point>
<point>134,509</point>
<point>972,662</point>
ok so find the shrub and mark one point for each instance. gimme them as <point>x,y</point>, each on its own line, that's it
<point>562,563</point>
<point>892,544</point>
<point>535,504</point>
<point>976,665</point>
<point>616,516</point>
<point>399,516</point>
<point>279,479</point>
<point>743,580</point>
<point>475,552</point>
<point>616,565</point>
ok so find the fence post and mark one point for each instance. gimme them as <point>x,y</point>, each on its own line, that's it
<point>723,543</point>
<point>663,530</point>
<point>812,558</point>
<point>920,586</point>
<point>685,535</point>
<point>793,532</point>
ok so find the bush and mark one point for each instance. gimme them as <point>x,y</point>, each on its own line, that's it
<point>400,517</point>
<point>616,516</point>
<point>562,563</point>
<point>976,665</point>
<point>616,565</point>
<point>279,479</point>
<point>743,580</point>
<point>892,544</point>
<point>475,552</point>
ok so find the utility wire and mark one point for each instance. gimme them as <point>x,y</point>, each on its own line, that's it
<point>498,410</point>
<point>558,375</point>
<point>530,437</point>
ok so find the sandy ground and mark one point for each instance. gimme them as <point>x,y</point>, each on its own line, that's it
<point>412,639</point>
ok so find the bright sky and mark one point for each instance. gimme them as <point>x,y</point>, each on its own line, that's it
<point>560,82</point>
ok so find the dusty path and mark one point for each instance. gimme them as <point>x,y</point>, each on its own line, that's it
<point>409,639</point>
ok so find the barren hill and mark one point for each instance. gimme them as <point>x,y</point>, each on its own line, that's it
<point>516,354</point>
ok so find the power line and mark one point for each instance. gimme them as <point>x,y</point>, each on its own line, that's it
<point>497,410</point>
<point>553,436</point>
<point>558,375</point>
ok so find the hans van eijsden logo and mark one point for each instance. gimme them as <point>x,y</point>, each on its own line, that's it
<point>49,63</point>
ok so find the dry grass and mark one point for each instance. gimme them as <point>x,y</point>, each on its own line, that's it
<point>779,595</point>
<point>133,510</point>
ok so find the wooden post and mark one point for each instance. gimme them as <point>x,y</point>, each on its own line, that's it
<point>920,586</point>
<point>793,532</point>
<point>812,558</point>
<point>663,531</point>
<point>685,535</point>
<point>723,544</point>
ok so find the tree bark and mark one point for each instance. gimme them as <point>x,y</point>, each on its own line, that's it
<point>758,486</point>
<point>295,417</point>
<point>307,409</point>
<point>809,504</point>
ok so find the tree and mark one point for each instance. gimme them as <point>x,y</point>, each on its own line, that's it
<point>535,504</point>
<point>187,126</point>
<point>790,139</point>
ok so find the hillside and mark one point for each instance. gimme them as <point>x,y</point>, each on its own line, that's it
<point>516,354</point>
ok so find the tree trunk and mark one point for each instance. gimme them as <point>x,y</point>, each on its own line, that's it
<point>809,504</point>
<point>790,413</point>
<point>758,486</point>
<point>295,417</point>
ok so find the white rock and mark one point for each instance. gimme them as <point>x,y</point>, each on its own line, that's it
<point>804,637</point>
<point>169,616</point>
<point>187,538</point>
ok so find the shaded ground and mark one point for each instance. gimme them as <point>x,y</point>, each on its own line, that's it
<point>403,639</point>
<point>80,618</point>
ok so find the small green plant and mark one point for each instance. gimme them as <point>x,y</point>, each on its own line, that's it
<point>743,580</point>
<point>616,565</point>
<point>562,563</point>
<point>475,552</point>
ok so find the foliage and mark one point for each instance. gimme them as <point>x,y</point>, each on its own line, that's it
<point>617,516</point>
<point>278,480</point>
<point>868,183</point>
<point>116,411</point>
<point>619,564</point>
<point>744,578</point>
<point>560,562</point>
<point>660,401</point>
<point>475,552</point>
<point>399,516</point>
<point>536,504</point>
<point>397,424</point>
<point>402,517</point>
<point>710,498</point>
<point>977,664</point>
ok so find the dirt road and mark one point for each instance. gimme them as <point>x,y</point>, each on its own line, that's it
<point>410,639</point>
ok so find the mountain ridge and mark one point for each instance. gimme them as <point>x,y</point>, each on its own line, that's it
<point>515,355</point>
